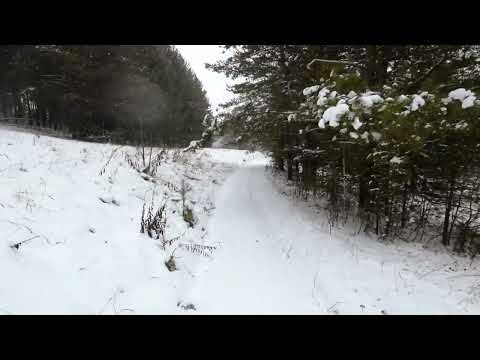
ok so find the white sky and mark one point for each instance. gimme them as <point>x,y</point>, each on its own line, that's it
<point>214,83</point>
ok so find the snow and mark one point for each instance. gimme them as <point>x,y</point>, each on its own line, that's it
<point>274,254</point>
<point>322,101</point>
<point>357,124</point>
<point>193,145</point>
<point>376,135</point>
<point>310,90</point>
<point>369,100</point>
<point>85,225</point>
<point>468,102</point>
<point>459,94</point>
<point>396,160</point>
<point>333,114</point>
<point>286,262</point>
<point>417,103</point>
<point>467,97</point>
<point>322,97</point>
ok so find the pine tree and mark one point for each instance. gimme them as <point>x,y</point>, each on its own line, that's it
<point>388,134</point>
<point>94,91</point>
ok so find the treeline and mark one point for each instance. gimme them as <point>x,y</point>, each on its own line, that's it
<point>388,135</point>
<point>125,93</point>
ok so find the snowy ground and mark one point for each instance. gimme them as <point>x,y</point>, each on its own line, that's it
<point>274,254</point>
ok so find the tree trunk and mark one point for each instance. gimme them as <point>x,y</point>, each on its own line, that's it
<point>448,209</point>
<point>43,117</point>
<point>142,141</point>
<point>289,167</point>
<point>371,66</point>
<point>377,65</point>
<point>279,163</point>
<point>363,192</point>
<point>39,115</point>
<point>28,111</point>
<point>4,107</point>
<point>404,205</point>
<point>15,108</point>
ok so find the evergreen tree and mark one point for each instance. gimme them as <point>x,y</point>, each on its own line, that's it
<point>103,91</point>
<point>388,134</point>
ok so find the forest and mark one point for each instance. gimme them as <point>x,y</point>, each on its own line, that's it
<point>120,93</point>
<point>388,136</point>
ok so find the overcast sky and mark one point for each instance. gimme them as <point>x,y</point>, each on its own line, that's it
<point>215,84</point>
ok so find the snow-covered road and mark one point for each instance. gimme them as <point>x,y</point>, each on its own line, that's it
<point>251,272</point>
<point>277,258</point>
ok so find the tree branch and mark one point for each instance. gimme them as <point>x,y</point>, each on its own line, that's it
<point>17,245</point>
<point>411,86</point>
<point>311,63</point>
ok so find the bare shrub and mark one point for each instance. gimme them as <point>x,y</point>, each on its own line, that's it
<point>154,224</point>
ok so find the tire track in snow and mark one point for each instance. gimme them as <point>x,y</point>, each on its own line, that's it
<point>250,273</point>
